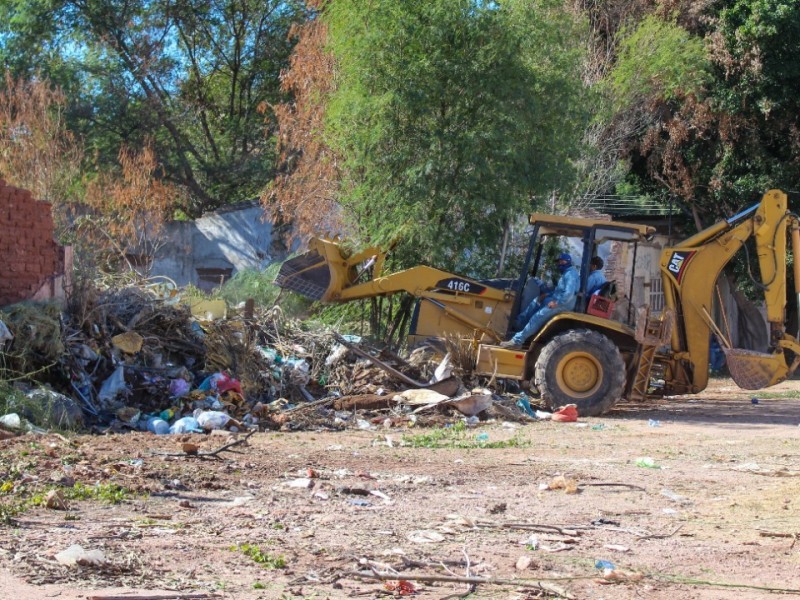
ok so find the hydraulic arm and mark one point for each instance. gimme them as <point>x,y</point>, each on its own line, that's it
<point>689,273</point>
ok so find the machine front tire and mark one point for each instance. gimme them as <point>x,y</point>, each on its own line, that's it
<point>581,367</point>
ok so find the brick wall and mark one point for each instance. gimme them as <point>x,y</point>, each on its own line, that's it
<point>31,263</point>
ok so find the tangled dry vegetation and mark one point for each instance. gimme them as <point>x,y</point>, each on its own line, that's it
<point>114,358</point>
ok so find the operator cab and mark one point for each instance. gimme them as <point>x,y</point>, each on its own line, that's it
<point>583,238</point>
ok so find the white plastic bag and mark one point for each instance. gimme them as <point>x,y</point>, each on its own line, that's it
<point>113,385</point>
<point>213,419</point>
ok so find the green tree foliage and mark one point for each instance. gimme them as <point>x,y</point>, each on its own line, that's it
<point>661,58</point>
<point>728,131</point>
<point>198,77</point>
<point>451,116</point>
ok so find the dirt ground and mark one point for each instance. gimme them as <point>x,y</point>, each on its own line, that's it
<point>717,519</point>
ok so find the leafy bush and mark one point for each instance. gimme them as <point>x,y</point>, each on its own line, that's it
<point>258,285</point>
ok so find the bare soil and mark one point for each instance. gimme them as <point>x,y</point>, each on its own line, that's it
<point>717,520</point>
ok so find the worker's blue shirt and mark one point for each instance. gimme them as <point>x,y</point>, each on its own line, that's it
<point>594,282</point>
<point>567,289</point>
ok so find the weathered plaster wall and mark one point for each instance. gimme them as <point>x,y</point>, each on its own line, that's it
<point>231,239</point>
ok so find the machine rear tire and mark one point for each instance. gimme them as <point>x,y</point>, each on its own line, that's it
<point>581,367</point>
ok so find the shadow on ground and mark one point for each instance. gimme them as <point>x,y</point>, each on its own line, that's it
<point>735,412</point>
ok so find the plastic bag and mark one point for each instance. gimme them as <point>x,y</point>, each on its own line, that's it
<point>76,555</point>
<point>297,371</point>
<point>220,382</point>
<point>212,419</point>
<point>185,425</point>
<point>5,334</point>
<point>113,385</point>
<point>226,383</point>
<point>566,414</point>
<point>11,421</point>
<point>178,388</point>
<point>525,406</point>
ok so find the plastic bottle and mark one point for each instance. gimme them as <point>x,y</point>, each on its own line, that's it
<point>482,437</point>
<point>604,564</point>
<point>157,425</point>
<point>654,423</point>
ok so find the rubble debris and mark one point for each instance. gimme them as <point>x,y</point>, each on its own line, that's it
<point>129,342</point>
<point>54,500</point>
<point>473,403</point>
<point>364,402</point>
<point>133,358</point>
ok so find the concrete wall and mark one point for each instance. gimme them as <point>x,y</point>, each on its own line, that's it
<point>226,240</point>
<point>32,265</point>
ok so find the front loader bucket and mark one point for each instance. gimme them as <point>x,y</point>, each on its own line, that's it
<point>307,274</point>
<point>327,269</point>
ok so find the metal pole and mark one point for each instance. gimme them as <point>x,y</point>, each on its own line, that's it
<point>633,272</point>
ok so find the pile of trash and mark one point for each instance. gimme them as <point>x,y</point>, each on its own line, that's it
<point>129,359</point>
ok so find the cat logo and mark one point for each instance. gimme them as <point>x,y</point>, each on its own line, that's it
<point>677,264</point>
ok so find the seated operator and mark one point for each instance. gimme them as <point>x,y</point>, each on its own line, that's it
<point>562,299</point>
<point>596,277</point>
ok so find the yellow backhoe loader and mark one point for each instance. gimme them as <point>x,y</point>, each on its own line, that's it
<point>589,357</point>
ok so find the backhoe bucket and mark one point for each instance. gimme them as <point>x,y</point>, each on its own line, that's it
<point>752,370</point>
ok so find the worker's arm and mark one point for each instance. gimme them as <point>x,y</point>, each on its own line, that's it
<point>566,290</point>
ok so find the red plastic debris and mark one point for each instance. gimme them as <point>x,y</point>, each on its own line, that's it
<point>401,587</point>
<point>566,414</point>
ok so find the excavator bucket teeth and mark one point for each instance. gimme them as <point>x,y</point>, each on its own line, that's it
<point>307,274</point>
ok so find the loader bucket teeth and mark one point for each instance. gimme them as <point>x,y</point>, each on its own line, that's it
<point>307,274</point>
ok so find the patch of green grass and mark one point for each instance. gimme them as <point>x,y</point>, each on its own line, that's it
<point>110,493</point>
<point>458,436</point>
<point>265,559</point>
<point>17,499</point>
<point>11,509</point>
<point>776,395</point>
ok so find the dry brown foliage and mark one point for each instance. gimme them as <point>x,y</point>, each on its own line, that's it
<point>304,191</point>
<point>127,211</point>
<point>37,151</point>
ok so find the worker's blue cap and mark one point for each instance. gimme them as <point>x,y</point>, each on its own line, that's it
<point>566,257</point>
